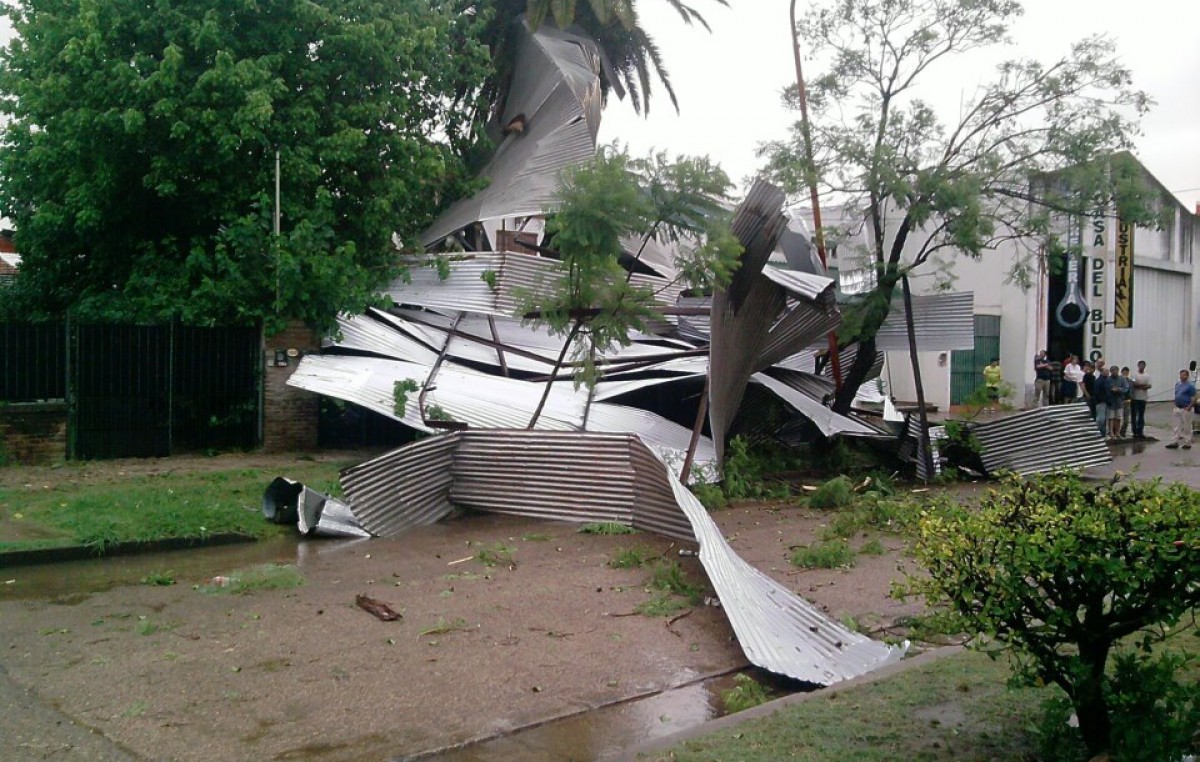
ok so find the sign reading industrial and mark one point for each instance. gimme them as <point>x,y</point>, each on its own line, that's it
<point>1123,294</point>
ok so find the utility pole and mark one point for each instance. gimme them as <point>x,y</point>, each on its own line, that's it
<point>818,230</point>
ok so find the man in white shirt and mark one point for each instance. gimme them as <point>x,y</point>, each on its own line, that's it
<point>1138,398</point>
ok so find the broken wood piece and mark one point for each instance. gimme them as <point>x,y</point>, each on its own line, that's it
<point>381,610</point>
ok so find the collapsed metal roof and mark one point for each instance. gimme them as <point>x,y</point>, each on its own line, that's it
<point>583,477</point>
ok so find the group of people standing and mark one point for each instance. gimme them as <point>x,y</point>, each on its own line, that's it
<point>1115,396</point>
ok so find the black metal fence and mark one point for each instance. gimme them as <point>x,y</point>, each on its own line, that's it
<point>139,391</point>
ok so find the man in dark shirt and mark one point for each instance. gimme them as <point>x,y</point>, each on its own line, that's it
<point>1041,380</point>
<point>1100,396</point>
<point>1089,381</point>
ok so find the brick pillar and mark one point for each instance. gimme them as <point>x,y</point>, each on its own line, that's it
<point>289,414</point>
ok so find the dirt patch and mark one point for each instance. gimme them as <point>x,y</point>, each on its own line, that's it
<point>548,629</point>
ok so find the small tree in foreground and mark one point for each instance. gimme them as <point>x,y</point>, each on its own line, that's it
<point>1061,574</point>
<point>602,206</point>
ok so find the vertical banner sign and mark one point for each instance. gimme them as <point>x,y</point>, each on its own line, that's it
<point>1095,240</point>
<point>1123,295</point>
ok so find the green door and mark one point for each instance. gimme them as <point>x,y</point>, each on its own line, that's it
<point>966,365</point>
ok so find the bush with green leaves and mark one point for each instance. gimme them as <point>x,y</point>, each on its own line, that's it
<point>1062,575</point>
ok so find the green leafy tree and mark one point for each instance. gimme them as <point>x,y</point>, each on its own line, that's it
<point>138,159</point>
<point>633,58</point>
<point>1061,574</point>
<point>596,304</point>
<point>914,186</point>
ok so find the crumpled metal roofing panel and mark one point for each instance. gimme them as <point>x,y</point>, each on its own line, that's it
<point>743,313</point>
<point>556,86</point>
<point>585,478</point>
<point>484,401</point>
<point>830,423</point>
<point>369,333</point>
<point>553,474</point>
<point>404,488</point>
<point>1042,439</point>
<point>777,629</point>
<point>940,321</point>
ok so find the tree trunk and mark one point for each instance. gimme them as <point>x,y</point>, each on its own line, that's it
<point>926,449</point>
<point>554,374</point>
<point>854,377</point>
<point>1091,707</point>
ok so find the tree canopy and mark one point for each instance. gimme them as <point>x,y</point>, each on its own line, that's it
<point>138,161</point>
<point>912,186</point>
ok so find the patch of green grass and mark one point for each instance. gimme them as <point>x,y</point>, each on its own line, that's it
<point>670,577</point>
<point>631,558</point>
<point>746,693</point>
<point>830,554</point>
<point>147,627</point>
<point>143,508</point>
<point>872,547</point>
<point>445,626</point>
<point>606,527</point>
<point>497,555</point>
<point>536,537</point>
<point>955,709</point>
<point>160,579</point>
<point>261,577</point>
<point>661,603</point>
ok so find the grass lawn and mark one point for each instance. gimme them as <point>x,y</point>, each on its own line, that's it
<point>139,508</point>
<point>957,708</point>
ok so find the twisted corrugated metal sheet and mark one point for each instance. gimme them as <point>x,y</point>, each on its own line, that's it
<point>607,477</point>
<point>556,87</point>
<point>1043,439</point>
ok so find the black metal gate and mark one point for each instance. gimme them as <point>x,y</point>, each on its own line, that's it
<point>139,391</point>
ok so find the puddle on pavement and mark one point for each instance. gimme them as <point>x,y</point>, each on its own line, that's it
<point>609,732</point>
<point>72,581</point>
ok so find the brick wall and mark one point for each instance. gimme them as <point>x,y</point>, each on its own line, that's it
<point>290,415</point>
<point>33,433</point>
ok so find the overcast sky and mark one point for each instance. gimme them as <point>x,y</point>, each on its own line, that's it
<point>729,82</point>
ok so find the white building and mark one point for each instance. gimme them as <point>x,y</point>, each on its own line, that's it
<point>1162,309</point>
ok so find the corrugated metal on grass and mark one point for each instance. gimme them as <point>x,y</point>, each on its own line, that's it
<point>1042,439</point>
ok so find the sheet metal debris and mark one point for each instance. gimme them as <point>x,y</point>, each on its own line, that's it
<point>584,477</point>
<point>1024,443</point>
<point>556,89</point>
<point>1033,441</point>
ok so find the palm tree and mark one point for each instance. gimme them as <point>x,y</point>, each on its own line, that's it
<point>631,57</point>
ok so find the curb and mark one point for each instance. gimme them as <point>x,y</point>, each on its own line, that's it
<point>82,552</point>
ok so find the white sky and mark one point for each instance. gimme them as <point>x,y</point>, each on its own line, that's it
<point>729,82</point>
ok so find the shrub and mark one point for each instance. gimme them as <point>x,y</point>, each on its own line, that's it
<point>835,493</point>
<point>1058,573</point>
